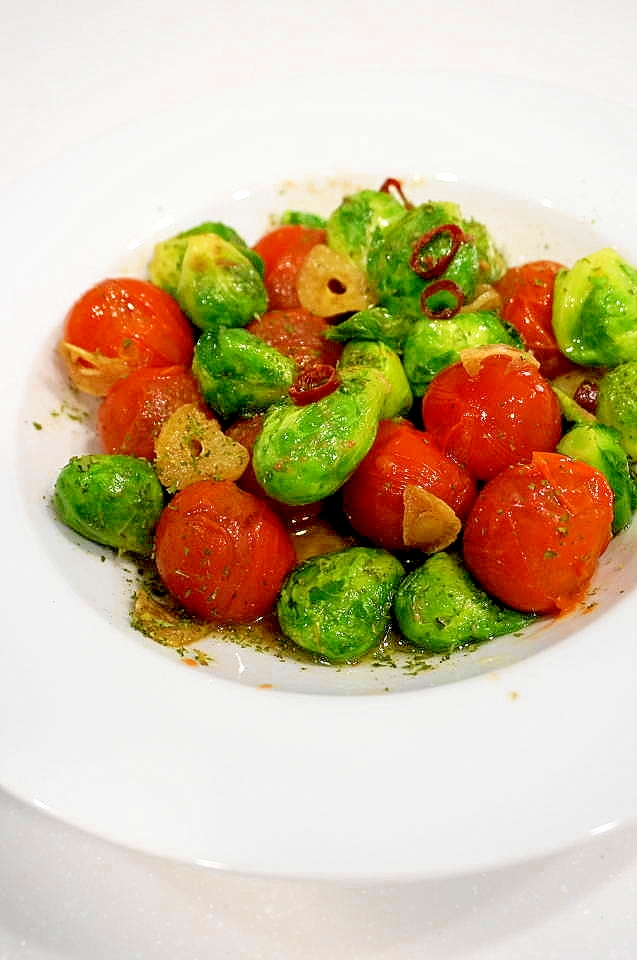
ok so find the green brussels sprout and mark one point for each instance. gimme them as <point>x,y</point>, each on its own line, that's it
<point>338,605</point>
<point>595,310</point>
<point>389,270</point>
<point>439,608</point>
<point>434,344</point>
<point>237,372</point>
<point>371,353</point>
<point>491,260</point>
<point>299,218</point>
<point>390,325</point>
<point>213,281</point>
<point>617,404</point>
<point>357,226</point>
<point>601,447</point>
<point>111,499</point>
<point>230,234</point>
<point>305,453</point>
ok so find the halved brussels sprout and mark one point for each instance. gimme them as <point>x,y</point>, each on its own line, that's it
<point>237,372</point>
<point>370,353</point>
<point>434,344</point>
<point>439,607</point>
<point>357,225</point>
<point>338,605</point>
<point>215,283</point>
<point>617,404</point>
<point>110,499</point>
<point>595,310</point>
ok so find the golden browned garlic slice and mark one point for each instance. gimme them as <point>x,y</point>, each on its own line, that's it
<point>329,284</point>
<point>473,357</point>
<point>486,298</point>
<point>429,524</point>
<point>91,372</point>
<point>192,446</point>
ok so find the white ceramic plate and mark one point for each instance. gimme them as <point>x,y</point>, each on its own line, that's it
<point>512,751</point>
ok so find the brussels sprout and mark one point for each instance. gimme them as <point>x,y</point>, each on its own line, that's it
<point>434,344</point>
<point>302,219</point>
<point>305,453</point>
<point>389,325</point>
<point>338,605</point>
<point>237,372</point>
<point>230,234</point>
<point>213,281</point>
<point>370,353</point>
<point>357,226</point>
<point>595,310</point>
<point>111,499</point>
<point>438,607</point>
<point>617,404</point>
<point>601,447</point>
<point>389,270</point>
<point>491,261</point>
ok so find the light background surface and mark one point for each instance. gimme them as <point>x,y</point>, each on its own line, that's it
<point>70,72</point>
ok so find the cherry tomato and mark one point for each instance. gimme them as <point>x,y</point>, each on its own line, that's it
<point>245,431</point>
<point>298,334</point>
<point>401,456</point>
<point>527,304</point>
<point>492,410</point>
<point>536,532</point>
<point>133,321</point>
<point>222,552</point>
<point>134,409</point>
<point>283,251</point>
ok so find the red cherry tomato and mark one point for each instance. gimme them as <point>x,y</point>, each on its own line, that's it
<point>536,532</point>
<point>132,320</point>
<point>298,334</point>
<point>133,411</point>
<point>491,411</point>
<point>284,251</point>
<point>527,304</point>
<point>222,553</point>
<point>245,431</point>
<point>401,456</point>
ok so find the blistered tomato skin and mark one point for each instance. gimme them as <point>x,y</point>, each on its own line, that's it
<point>132,320</point>
<point>132,413</point>
<point>401,455</point>
<point>536,532</point>
<point>222,552</point>
<point>492,409</point>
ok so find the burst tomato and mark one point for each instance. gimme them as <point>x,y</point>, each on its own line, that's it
<point>222,552</point>
<point>284,251</point>
<point>402,456</point>
<point>536,531</point>
<point>132,321</point>
<point>134,409</point>
<point>492,409</point>
<point>298,334</point>
<point>527,304</point>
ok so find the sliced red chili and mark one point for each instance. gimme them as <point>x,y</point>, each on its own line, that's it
<point>429,267</point>
<point>313,383</point>
<point>443,312</point>
<point>392,184</point>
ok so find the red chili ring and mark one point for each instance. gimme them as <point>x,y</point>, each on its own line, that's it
<point>427,267</point>
<point>447,312</point>
<point>313,383</point>
<point>392,184</point>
